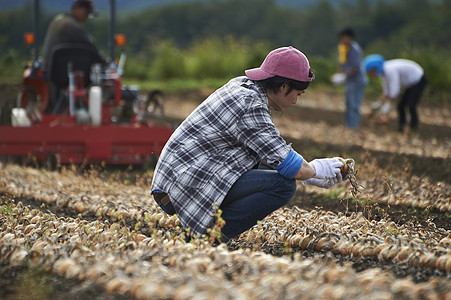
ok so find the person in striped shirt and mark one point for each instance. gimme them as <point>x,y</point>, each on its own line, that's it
<point>228,155</point>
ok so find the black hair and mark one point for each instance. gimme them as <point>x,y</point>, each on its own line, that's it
<point>274,83</point>
<point>348,31</point>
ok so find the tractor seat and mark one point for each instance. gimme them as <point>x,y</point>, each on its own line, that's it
<point>82,57</point>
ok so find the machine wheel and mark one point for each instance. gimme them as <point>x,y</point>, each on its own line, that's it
<point>3,160</point>
<point>51,162</point>
<point>5,114</point>
<point>150,162</point>
<point>10,159</point>
<point>154,102</point>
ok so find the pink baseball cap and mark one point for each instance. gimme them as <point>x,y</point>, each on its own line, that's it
<point>286,62</point>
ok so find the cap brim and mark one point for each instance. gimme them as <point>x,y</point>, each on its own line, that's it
<point>258,74</point>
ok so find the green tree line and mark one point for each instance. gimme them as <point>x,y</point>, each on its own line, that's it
<point>222,37</point>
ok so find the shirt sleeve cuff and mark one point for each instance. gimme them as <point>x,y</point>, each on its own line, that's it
<point>290,165</point>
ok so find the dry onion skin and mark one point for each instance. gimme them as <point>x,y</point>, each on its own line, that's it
<point>165,267</point>
<point>159,264</point>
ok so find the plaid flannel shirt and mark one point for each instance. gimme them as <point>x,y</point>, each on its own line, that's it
<point>223,138</point>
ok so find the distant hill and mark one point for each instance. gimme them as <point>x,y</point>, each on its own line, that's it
<point>100,5</point>
<point>134,5</point>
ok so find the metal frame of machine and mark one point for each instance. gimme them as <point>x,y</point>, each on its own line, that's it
<point>61,138</point>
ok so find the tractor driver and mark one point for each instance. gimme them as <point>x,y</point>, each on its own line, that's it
<point>66,28</point>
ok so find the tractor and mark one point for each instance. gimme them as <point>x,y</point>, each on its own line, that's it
<point>103,121</point>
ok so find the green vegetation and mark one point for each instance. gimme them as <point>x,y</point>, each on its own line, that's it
<point>189,44</point>
<point>12,66</point>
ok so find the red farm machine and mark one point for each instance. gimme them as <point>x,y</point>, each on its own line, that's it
<point>104,121</point>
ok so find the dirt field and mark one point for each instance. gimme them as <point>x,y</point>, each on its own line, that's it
<point>95,233</point>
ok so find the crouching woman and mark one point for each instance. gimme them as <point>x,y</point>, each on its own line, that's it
<point>228,155</point>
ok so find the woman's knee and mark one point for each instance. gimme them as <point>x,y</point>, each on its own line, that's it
<point>288,189</point>
<point>292,187</point>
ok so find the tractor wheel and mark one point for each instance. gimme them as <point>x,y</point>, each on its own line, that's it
<point>51,162</point>
<point>5,113</point>
<point>150,162</point>
<point>3,160</point>
<point>154,102</point>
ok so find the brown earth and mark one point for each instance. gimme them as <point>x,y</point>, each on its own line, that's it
<point>319,114</point>
<point>326,109</point>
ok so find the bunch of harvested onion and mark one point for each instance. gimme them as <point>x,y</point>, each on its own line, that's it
<point>349,172</point>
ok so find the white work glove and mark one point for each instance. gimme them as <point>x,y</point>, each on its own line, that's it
<point>325,183</point>
<point>327,168</point>
<point>385,109</point>
<point>376,105</point>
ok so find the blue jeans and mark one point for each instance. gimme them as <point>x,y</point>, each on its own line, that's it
<point>253,196</point>
<point>354,95</point>
<point>168,208</point>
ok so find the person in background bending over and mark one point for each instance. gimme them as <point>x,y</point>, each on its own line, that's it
<point>350,61</point>
<point>228,155</point>
<point>397,74</point>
